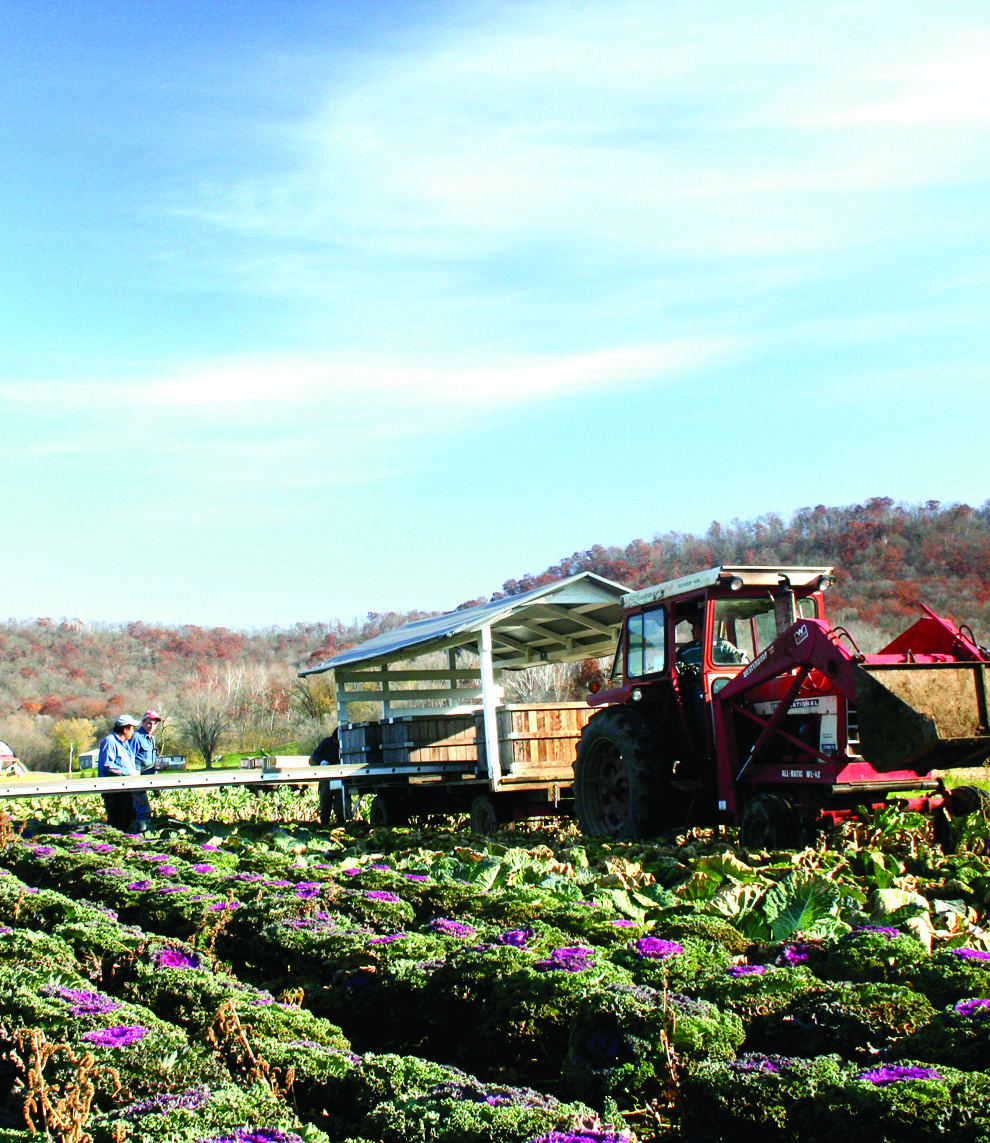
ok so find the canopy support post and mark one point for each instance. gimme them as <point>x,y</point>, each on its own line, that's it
<point>341,699</point>
<point>452,664</point>
<point>489,701</point>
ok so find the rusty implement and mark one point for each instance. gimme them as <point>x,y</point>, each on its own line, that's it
<point>922,716</point>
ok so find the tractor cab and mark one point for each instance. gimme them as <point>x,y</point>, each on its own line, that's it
<point>683,640</point>
<point>648,759</point>
<point>732,700</point>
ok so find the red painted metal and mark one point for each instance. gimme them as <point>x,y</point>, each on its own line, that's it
<point>806,663</point>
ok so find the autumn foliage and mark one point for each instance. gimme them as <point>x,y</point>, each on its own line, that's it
<point>889,559</point>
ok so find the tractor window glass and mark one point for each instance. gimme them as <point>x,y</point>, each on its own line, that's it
<point>646,636</point>
<point>748,625</point>
<point>740,630</point>
<point>806,608</point>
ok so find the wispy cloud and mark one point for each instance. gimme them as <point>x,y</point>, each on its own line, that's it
<point>570,180</point>
<point>395,396</point>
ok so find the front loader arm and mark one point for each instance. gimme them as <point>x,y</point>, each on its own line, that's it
<point>916,711</point>
<point>803,647</point>
<point>808,645</point>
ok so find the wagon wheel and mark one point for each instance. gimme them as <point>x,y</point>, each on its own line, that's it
<point>485,816</point>
<point>769,821</point>
<point>620,779</point>
<point>960,803</point>
<point>387,811</point>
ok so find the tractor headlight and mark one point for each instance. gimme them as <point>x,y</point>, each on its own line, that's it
<point>735,583</point>
<point>825,582</point>
<point>636,694</point>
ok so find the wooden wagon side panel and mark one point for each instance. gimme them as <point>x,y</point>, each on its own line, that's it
<point>422,740</point>
<point>537,741</point>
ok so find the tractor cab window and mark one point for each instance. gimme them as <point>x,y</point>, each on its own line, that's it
<point>646,641</point>
<point>748,626</point>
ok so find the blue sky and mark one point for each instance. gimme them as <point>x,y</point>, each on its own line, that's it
<point>312,309</point>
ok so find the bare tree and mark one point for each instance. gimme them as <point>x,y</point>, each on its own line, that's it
<point>315,697</point>
<point>545,682</point>
<point>205,723</point>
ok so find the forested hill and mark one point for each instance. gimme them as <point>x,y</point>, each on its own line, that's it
<point>889,558</point>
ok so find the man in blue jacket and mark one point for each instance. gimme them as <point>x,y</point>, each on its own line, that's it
<point>145,752</point>
<point>117,761</point>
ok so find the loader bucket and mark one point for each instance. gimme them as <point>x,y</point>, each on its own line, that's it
<point>922,717</point>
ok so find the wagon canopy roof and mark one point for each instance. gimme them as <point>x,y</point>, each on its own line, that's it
<point>562,622</point>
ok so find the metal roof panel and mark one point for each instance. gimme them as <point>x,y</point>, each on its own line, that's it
<point>515,617</point>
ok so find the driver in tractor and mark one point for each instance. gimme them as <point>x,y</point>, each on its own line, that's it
<point>690,660</point>
<point>692,653</point>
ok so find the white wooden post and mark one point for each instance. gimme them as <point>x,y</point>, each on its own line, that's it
<point>386,705</point>
<point>452,664</point>
<point>489,701</point>
<point>341,699</point>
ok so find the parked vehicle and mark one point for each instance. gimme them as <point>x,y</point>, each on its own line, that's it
<point>731,701</point>
<point>768,718</point>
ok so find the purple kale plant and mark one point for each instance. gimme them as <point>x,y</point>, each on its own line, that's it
<point>895,1073</point>
<point>974,1009</point>
<point>571,958</point>
<point>85,1003</point>
<point>120,1037</point>
<point>192,1099</point>
<point>515,938</point>
<point>175,958</point>
<point>449,928</point>
<point>653,948</point>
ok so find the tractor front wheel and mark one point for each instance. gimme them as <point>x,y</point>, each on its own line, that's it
<point>620,778</point>
<point>770,822</point>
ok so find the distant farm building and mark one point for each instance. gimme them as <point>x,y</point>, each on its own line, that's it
<point>8,761</point>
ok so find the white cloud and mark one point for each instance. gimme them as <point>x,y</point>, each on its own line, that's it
<point>274,411</point>
<point>553,115</point>
<point>567,178</point>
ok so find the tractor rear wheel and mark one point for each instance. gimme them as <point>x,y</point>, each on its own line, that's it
<point>620,777</point>
<point>770,822</point>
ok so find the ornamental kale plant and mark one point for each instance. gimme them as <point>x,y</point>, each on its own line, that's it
<point>516,962</point>
<point>767,1097</point>
<point>873,953</point>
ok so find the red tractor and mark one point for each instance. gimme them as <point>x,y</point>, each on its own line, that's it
<point>734,701</point>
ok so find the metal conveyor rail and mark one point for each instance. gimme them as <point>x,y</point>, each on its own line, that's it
<point>26,788</point>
